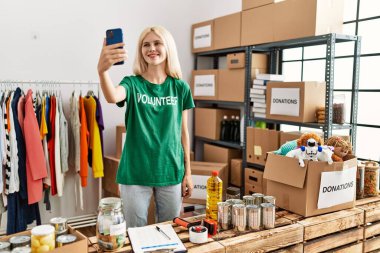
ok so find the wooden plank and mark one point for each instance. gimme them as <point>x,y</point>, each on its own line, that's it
<point>351,248</point>
<point>332,222</point>
<point>372,230</point>
<point>372,244</point>
<point>266,240</point>
<point>213,247</point>
<point>365,201</point>
<point>372,212</point>
<point>298,248</point>
<point>334,241</point>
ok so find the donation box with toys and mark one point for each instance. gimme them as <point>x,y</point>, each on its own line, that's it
<point>316,188</point>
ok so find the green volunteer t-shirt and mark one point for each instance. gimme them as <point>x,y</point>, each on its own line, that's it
<point>153,153</point>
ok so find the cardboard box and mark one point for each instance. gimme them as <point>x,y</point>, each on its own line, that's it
<point>231,85</point>
<point>254,181</point>
<point>204,84</point>
<point>249,189</point>
<point>212,153</point>
<point>202,35</point>
<point>120,139</point>
<point>294,101</point>
<point>200,172</point>
<point>257,25</point>
<point>236,167</point>
<point>299,18</point>
<point>297,188</point>
<point>79,246</point>
<point>227,31</point>
<point>249,4</point>
<point>237,61</point>
<point>191,155</point>
<point>259,142</point>
<point>111,188</point>
<point>208,120</point>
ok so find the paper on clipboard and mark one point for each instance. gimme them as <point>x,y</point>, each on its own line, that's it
<point>148,239</point>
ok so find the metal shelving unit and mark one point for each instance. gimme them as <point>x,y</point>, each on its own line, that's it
<point>275,52</point>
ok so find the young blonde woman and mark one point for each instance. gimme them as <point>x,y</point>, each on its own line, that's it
<point>156,153</point>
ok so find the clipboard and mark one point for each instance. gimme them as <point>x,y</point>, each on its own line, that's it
<point>149,239</point>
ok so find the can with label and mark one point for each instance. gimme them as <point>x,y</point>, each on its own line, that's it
<point>269,199</point>
<point>269,215</point>
<point>248,200</point>
<point>224,215</point>
<point>254,217</point>
<point>19,241</point>
<point>24,249</point>
<point>258,198</point>
<point>239,216</point>
<point>60,225</point>
<point>65,239</point>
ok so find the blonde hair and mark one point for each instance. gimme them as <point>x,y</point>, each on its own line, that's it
<point>172,66</point>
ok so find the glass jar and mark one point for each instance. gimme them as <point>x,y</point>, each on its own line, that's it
<point>110,226</point>
<point>232,193</point>
<point>339,112</point>
<point>43,238</point>
<point>360,181</point>
<point>371,179</point>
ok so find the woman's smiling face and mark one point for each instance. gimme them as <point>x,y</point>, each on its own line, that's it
<point>153,49</point>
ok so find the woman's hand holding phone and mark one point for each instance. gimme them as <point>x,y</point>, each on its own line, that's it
<point>110,55</point>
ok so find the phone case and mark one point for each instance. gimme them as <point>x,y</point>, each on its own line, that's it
<point>114,36</point>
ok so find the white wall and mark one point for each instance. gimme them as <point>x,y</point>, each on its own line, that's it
<point>61,40</point>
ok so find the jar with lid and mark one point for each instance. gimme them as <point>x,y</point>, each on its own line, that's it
<point>232,193</point>
<point>339,112</point>
<point>110,225</point>
<point>43,238</point>
<point>360,180</point>
<point>371,179</point>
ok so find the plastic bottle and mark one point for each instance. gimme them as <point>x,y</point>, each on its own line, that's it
<point>237,130</point>
<point>214,195</point>
<point>232,128</point>
<point>223,127</point>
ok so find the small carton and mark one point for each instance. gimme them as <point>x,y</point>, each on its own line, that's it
<point>204,84</point>
<point>227,31</point>
<point>259,142</point>
<point>236,167</point>
<point>202,36</point>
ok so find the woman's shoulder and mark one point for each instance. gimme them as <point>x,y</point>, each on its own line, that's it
<point>131,79</point>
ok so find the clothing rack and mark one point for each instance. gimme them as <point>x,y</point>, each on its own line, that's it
<point>54,85</point>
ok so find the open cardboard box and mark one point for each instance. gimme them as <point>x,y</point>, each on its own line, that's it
<point>79,246</point>
<point>297,188</point>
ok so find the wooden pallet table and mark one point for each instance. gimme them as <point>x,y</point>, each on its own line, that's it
<point>340,231</point>
<point>371,208</point>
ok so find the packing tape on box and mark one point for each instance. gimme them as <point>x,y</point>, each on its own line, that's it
<point>198,234</point>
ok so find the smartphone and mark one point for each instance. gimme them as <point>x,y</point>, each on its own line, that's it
<point>114,36</point>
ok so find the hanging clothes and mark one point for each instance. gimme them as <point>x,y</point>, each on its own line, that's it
<point>51,145</point>
<point>63,136</point>
<point>35,162</point>
<point>14,182</point>
<point>84,142</point>
<point>59,179</point>
<point>95,149</point>
<point>99,119</point>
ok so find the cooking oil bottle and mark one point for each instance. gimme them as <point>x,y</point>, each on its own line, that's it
<point>214,195</point>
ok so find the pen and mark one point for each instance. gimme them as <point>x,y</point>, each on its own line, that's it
<point>161,231</point>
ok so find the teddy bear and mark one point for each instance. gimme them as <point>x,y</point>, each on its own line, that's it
<point>302,141</point>
<point>342,148</point>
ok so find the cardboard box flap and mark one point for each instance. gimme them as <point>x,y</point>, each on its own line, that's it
<point>285,170</point>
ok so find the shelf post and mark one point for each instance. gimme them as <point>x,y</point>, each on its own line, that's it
<point>354,96</point>
<point>329,77</point>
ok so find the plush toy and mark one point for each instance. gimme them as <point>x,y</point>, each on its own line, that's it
<point>326,154</point>
<point>302,141</point>
<point>341,148</point>
<point>308,152</point>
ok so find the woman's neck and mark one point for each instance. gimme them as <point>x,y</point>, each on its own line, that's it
<point>155,74</point>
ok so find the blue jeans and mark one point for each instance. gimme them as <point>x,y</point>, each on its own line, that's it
<point>136,200</point>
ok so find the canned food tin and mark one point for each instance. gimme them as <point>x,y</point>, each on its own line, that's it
<point>248,200</point>
<point>24,249</point>
<point>254,217</point>
<point>19,241</point>
<point>59,224</point>
<point>269,215</point>
<point>224,215</point>
<point>270,199</point>
<point>239,212</point>
<point>258,198</point>
<point>235,201</point>
<point>5,246</point>
<point>65,239</point>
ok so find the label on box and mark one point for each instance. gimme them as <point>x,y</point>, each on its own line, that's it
<point>285,101</point>
<point>204,85</point>
<point>257,150</point>
<point>337,187</point>
<point>199,191</point>
<point>202,37</point>
<point>118,229</point>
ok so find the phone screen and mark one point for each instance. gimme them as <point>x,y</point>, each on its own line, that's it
<point>114,36</point>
